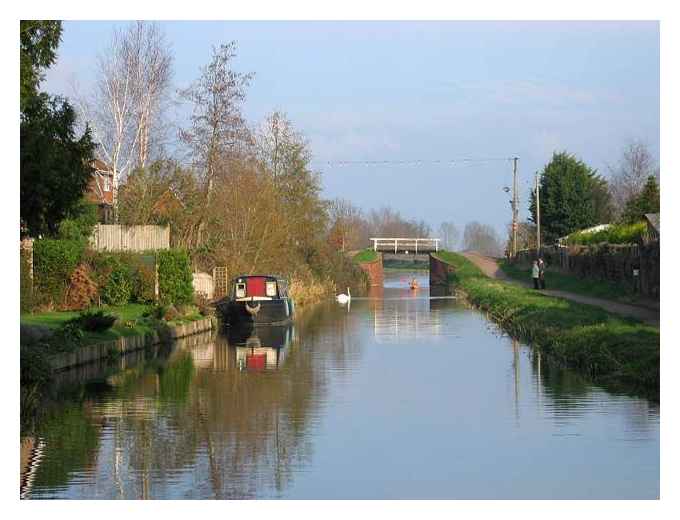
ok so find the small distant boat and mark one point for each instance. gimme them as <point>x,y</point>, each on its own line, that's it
<point>257,300</point>
<point>414,284</point>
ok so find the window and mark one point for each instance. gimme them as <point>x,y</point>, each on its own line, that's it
<point>240,290</point>
<point>270,288</point>
<point>107,183</point>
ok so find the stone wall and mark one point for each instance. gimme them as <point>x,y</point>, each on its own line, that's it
<point>374,270</point>
<point>609,262</point>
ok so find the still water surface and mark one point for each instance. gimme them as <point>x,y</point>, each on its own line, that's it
<point>398,396</point>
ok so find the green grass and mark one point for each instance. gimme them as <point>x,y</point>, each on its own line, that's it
<point>617,352</point>
<point>615,234</point>
<point>366,255</point>
<point>565,282</point>
<point>130,312</point>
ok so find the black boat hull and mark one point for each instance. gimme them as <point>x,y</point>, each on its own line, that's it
<point>234,313</point>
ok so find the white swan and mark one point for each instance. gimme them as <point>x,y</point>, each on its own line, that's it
<point>344,298</point>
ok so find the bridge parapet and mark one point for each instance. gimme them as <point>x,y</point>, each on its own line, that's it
<point>405,245</point>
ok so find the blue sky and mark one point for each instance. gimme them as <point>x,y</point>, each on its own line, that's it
<point>428,91</point>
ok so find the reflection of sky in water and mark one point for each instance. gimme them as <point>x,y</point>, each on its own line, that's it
<point>401,397</point>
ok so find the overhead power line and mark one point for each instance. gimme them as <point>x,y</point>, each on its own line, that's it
<point>410,162</point>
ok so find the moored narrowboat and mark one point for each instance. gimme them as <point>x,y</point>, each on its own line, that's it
<point>257,300</point>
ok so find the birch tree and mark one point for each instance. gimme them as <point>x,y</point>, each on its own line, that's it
<point>628,178</point>
<point>125,107</point>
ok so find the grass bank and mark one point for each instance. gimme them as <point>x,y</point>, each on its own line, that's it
<point>620,353</point>
<point>365,255</point>
<point>132,321</point>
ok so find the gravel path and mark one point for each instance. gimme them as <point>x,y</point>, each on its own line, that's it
<point>490,267</point>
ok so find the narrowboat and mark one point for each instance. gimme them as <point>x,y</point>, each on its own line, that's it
<point>257,300</point>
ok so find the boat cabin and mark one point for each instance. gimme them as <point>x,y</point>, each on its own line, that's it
<point>259,288</point>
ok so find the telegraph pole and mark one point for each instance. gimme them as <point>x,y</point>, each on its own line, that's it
<point>538,218</point>
<point>514,206</point>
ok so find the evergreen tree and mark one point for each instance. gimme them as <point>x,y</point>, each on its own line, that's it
<point>39,40</point>
<point>55,166</point>
<point>572,197</point>
<point>648,201</point>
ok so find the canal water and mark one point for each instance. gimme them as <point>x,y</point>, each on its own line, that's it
<point>397,395</point>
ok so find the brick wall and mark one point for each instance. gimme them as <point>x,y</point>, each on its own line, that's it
<point>374,270</point>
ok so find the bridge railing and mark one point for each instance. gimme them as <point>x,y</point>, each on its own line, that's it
<point>405,244</point>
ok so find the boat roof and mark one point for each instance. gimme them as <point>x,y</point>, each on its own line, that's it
<point>276,276</point>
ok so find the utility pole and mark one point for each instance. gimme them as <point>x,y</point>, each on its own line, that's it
<point>538,218</point>
<point>514,206</point>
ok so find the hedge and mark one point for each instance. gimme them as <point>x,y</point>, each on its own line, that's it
<point>175,281</point>
<point>53,263</point>
<point>119,278</point>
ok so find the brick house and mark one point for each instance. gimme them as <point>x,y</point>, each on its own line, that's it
<point>100,191</point>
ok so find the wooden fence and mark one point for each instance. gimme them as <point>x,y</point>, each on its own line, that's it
<point>115,237</point>
<point>203,284</point>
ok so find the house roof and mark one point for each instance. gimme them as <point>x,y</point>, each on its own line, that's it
<point>101,166</point>
<point>654,220</point>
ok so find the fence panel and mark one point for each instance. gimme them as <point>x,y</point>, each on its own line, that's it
<point>203,284</point>
<point>115,237</point>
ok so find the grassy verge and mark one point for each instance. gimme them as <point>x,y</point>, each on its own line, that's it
<point>130,322</point>
<point>617,352</point>
<point>365,255</point>
<point>587,287</point>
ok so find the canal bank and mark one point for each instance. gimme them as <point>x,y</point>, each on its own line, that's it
<point>619,353</point>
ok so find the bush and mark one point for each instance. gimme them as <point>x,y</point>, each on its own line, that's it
<point>118,288</point>
<point>174,277</point>
<point>95,321</point>
<point>82,291</point>
<point>81,224</point>
<point>53,263</point>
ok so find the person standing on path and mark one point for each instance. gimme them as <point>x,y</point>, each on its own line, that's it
<point>541,273</point>
<point>535,272</point>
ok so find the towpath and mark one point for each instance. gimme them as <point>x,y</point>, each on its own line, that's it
<point>490,267</point>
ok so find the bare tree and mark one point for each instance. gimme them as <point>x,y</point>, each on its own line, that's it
<point>630,175</point>
<point>349,230</point>
<point>481,238</point>
<point>449,235</point>
<point>217,128</point>
<point>125,108</point>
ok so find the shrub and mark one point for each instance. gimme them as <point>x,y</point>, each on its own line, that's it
<point>95,321</point>
<point>82,291</point>
<point>174,277</point>
<point>118,288</point>
<point>53,263</point>
<point>144,279</point>
<point>81,224</point>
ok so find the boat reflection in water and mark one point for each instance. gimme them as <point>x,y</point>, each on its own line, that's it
<point>260,347</point>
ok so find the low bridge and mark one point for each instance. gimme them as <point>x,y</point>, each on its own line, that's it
<point>405,245</point>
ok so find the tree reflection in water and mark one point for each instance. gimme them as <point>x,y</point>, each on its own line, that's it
<point>200,422</point>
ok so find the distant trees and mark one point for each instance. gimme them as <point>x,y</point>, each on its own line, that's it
<point>572,197</point>
<point>449,235</point>
<point>481,238</point>
<point>647,201</point>
<point>628,178</point>
<point>526,236</point>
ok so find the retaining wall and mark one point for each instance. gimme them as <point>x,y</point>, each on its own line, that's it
<point>97,351</point>
<point>374,270</point>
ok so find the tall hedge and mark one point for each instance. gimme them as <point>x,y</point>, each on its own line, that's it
<point>53,263</point>
<point>174,277</point>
